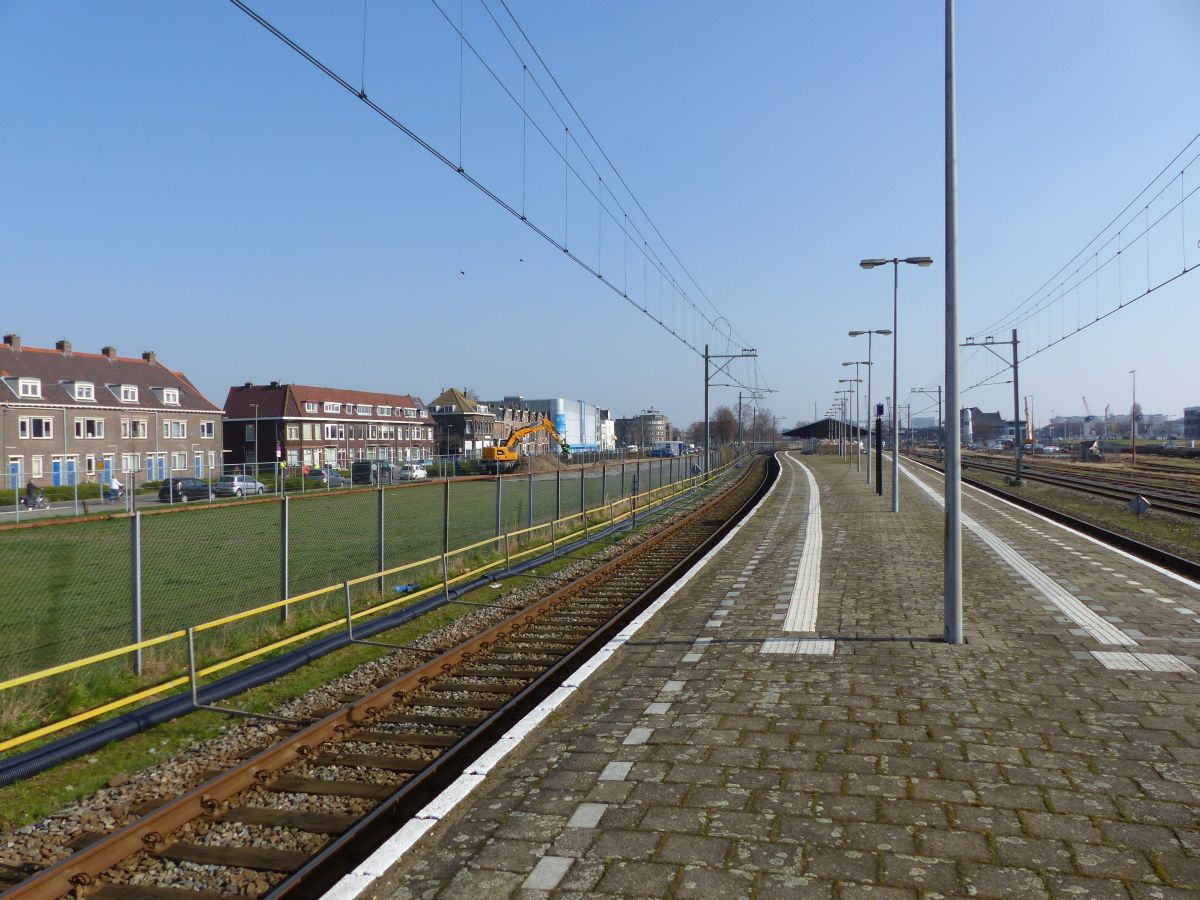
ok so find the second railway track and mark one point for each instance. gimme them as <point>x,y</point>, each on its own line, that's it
<point>290,819</point>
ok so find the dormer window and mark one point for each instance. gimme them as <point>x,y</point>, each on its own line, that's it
<point>332,407</point>
<point>364,409</point>
<point>170,397</point>
<point>383,410</point>
<point>85,390</point>
<point>30,388</point>
<point>310,406</point>
<point>129,393</point>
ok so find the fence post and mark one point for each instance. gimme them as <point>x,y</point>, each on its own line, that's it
<point>284,531</point>
<point>530,524</point>
<point>622,495</point>
<point>582,492</point>
<point>382,565</point>
<point>135,569</point>
<point>603,483</point>
<point>446,537</point>
<point>557,494</point>
<point>499,499</point>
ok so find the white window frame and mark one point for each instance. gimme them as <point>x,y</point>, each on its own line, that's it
<point>170,396</point>
<point>310,406</point>
<point>292,431</point>
<point>85,390</point>
<point>29,388</point>
<point>37,468</point>
<point>174,429</point>
<point>332,407</point>
<point>25,428</point>
<point>208,429</point>
<point>363,409</point>
<point>128,393</point>
<point>179,460</point>
<point>81,429</point>
<point>383,410</point>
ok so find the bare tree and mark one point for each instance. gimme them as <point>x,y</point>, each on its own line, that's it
<point>695,433</point>
<point>724,425</point>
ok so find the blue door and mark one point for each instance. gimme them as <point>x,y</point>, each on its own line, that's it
<point>198,468</point>
<point>149,467</point>
<point>14,475</point>
<point>162,466</point>
<point>56,472</point>
<point>70,472</point>
<point>106,472</point>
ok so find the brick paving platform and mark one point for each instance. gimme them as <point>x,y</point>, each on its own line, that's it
<point>719,754</point>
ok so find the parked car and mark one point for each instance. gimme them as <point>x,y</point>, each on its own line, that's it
<point>181,490</point>
<point>372,471</point>
<point>238,486</point>
<point>412,472</point>
<point>331,477</point>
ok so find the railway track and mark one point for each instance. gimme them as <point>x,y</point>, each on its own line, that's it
<point>290,819</point>
<point>1178,502</point>
<point>1171,561</point>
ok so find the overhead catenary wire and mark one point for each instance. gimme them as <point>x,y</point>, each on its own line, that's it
<point>466,46</point>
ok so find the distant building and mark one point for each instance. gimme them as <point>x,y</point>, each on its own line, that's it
<point>645,429</point>
<point>578,421</point>
<point>71,417</point>
<point>319,426</point>
<point>1191,423</point>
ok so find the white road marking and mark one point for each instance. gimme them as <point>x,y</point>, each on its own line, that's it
<point>1095,626</point>
<point>548,873</point>
<point>802,646</point>
<point>1141,662</point>
<point>806,591</point>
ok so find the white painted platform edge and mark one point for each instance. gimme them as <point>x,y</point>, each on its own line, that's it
<point>355,883</point>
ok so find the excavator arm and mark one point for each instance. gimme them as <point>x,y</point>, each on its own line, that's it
<point>504,456</point>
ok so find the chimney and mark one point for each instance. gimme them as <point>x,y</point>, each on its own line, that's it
<point>63,347</point>
<point>13,341</point>
<point>108,352</point>
<point>151,357</point>
<point>247,385</point>
<point>274,384</point>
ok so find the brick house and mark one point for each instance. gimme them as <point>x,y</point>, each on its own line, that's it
<point>464,426</point>
<point>69,418</point>
<point>319,426</point>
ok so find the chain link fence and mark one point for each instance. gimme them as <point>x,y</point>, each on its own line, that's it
<point>76,588</point>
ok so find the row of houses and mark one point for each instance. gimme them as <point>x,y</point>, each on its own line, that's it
<point>67,417</point>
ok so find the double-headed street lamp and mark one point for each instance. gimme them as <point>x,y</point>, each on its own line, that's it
<point>870,416</point>
<point>922,261</point>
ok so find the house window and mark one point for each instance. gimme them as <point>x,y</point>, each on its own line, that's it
<point>364,409</point>
<point>85,390</point>
<point>89,428</point>
<point>35,467</point>
<point>37,427</point>
<point>332,407</point>
<point>134,428</point>
<point>179,460</point>
<point>29,387</point>
<point>331,432</point>
<point>212,458</point>
<point>208,429</point>
<point>129,393</point>
<point>310,406</point>
<point>373,433</point>
<point>131,462</point>
<point>309,431</point>
<point>410,413</point>
<point>170,396</point>
<point>174,428</point>
<point>293,431</point>
<point>383,410</point>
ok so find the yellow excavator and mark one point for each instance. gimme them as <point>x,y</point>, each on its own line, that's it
<point>504,457</point>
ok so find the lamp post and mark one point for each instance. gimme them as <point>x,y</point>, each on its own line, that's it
<point>843,401</point>
<point>853,382</point>
<point>858,406</point>
<point>1133,419</point>
<point>870,333</point>
<point>922,261</point>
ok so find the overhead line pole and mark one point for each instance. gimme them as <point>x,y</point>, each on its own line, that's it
<point>952,571</point>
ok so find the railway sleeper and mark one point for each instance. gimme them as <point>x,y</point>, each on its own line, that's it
<point>316,823</point>
<point>293,784</point>
<point>261,859</point>
<point>370,761</point>
<point>147,892</point>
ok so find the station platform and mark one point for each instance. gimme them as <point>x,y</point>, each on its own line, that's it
<point>789,723</point>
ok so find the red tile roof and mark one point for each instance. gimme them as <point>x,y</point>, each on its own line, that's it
<point>288,400</point>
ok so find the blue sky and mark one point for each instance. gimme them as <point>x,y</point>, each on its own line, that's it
<point>174,178</point>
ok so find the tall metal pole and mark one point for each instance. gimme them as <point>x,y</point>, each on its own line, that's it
<point>706,438</point>
<point>895,385</point>
<point>1016,407</point>
<point>952,574</point>
<point>1133,419</point>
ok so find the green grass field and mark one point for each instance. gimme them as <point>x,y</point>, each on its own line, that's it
<point>66,593</point>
